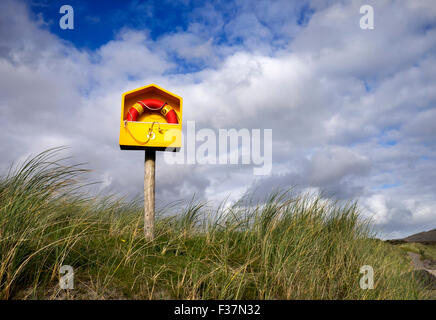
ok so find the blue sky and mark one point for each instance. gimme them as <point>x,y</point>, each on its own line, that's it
<point>352,110</point>
<point>97,22</point>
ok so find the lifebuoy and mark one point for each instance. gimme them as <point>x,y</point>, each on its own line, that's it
<point>153,105</point>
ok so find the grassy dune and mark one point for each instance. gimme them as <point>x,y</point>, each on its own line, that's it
<point>291,247</point>
<point>425,251</point>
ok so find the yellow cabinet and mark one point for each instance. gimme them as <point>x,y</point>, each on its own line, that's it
<point>151,117</point>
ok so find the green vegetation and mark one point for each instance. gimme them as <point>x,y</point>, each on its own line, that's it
<point>290,247</point>
<point>426,251</point>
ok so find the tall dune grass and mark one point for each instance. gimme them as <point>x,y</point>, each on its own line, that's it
<point>289,247</point>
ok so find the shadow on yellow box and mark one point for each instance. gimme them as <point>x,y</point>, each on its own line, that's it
<point>151,117</point>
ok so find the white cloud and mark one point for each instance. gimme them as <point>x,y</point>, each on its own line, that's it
<point>351,110</point>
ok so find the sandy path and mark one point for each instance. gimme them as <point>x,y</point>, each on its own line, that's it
<point>419,264</point>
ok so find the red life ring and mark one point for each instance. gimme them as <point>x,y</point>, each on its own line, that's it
<point>153,105</point>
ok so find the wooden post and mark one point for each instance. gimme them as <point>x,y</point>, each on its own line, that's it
<point>149,189</point>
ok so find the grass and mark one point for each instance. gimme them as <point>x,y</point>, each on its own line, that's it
<point>289,247</point>
<point>426,251</point>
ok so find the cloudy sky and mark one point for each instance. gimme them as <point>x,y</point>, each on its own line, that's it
<point>353,111</point>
